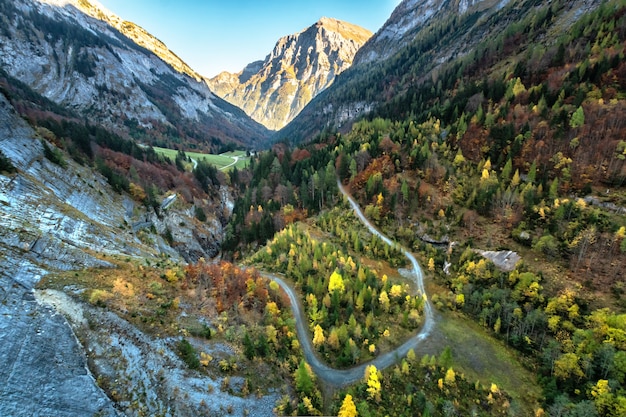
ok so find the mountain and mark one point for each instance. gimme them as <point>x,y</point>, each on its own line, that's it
<point>301,65</point>
<point>409,18</point>
<point>113,73</point>
<point>420,38</point>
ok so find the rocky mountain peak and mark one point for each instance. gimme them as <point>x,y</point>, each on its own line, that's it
<point>138,34</point>
<point>300,66</point>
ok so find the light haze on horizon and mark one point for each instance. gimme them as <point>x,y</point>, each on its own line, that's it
<point>214,36</point>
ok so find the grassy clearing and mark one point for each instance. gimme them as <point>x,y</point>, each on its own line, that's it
<point>223,161</point>
<point>486,359</point>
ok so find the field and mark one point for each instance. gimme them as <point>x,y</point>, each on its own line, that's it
<point>225,161</point>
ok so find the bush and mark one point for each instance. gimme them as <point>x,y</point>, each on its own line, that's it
<point>548,245</point>
<point>167,235</point>
<point>204,331</point>
<point>200,215</point>
<point>6,165</point>
<point>54,155</point>
<point>100,297</point>
<point>188,354</point>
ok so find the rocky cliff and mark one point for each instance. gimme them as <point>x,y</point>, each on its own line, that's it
<point>50,219</point>
<point>64,357</point>
<point>409,18</point>
<point>112,72</point>
<point>301,65</point>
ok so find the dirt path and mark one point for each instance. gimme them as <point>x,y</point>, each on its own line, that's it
<point>342,377</point>
<point>235,160</point>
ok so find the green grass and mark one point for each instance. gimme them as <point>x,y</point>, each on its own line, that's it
<point>223,161</point>
<point>487,359</point>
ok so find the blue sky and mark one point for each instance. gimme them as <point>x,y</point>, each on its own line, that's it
<point>225,35</point>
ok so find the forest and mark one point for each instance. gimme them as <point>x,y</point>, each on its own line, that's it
<point>526,157</point>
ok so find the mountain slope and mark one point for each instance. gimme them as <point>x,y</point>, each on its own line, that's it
<point>409,18</point>
<point>301,65</point>
<point>87,66</point>
<point>136,33</point>
<point>409,49</point>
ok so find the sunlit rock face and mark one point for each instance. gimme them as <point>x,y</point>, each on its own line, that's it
<point>275,90</point>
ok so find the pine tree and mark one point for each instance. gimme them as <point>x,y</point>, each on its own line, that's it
<point>248,346</point>
<point>304,383</point>
<point>578,118</point>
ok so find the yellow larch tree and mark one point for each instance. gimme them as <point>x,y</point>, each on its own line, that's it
<point>348,409</point>
<point>318,336</point>
<point>373,383</point>
<point>336,282</point>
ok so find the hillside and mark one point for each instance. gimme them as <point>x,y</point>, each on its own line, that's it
<point>275,90</point>
<point>442,231</point>
<point>504,171</point>
<point>407,51</point>
<point>115,245</point>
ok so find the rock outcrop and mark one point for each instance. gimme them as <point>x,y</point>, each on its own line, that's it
<point>53,219</point>
<point>301,65</point>
<point>50,219</point>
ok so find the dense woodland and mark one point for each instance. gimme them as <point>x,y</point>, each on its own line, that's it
<point>527,156</point>
<point>351,307</point>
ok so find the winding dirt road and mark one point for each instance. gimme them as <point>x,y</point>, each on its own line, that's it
<point>341,377</point>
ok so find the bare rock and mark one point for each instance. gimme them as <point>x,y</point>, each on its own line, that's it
<point>504,260</point>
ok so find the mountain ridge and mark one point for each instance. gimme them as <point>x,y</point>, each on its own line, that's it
<point>384,69</point>
<point>133,31</point>
<point>88,66</point>
<point>300,66</point>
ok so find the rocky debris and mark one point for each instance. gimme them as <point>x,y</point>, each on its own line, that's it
<point>190,238</point>
<point>594,201</point>
<point>444,241</point>
<point>505,260</point>
<point>168,201</point>
<point>145,373</point>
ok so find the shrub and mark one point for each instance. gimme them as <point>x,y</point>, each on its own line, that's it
<point>548,245</point>
<point>54,155</point>
<point>99,297</point>
<point>6,165</point>
<point>200,215</point>
<point>188,354</point>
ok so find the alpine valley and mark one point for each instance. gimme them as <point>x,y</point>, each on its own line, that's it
<point>425,221</point>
